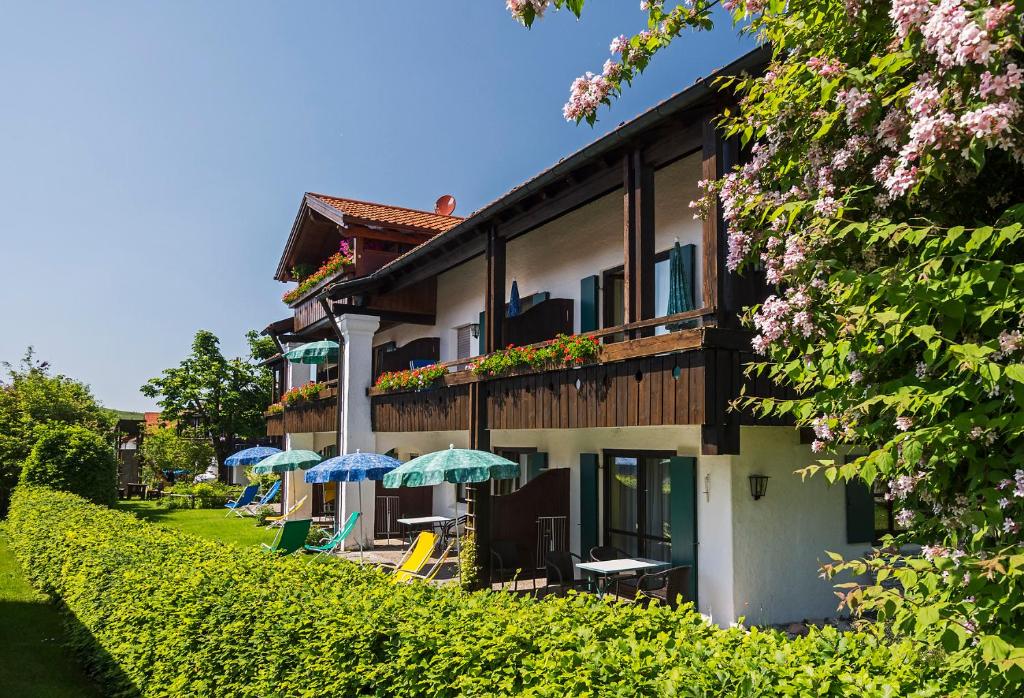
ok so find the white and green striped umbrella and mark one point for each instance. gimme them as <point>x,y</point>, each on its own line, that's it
<point>452,465</point>
<point>313,352</point>
<point>286,461</point>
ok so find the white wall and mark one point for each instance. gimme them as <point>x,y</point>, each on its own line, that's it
<point>409,444</point>
<point>675,186</point>
<point>460,299</point>
<point>780,540</point>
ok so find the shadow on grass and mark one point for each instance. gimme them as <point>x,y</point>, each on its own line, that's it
<point>145,510</point>
<point>35,637</point>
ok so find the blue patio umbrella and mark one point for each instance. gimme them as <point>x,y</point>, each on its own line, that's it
<point>513,300</point>
<point>250,456</point>
<point>352,467</point>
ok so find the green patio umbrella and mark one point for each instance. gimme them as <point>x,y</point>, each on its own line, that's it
<point>286,461</point>
<point>456,465</point>
<point>313,352</point>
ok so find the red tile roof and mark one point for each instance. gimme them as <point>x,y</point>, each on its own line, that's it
<point>390,215</point>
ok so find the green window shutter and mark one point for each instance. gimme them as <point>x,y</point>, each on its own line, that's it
<point>588,503</point>
<point>683,515</point>
<point>860,513</point>
<point>589,304</point>
<point>535,463</point>
<point>689,260</point>
<point>482,338</point>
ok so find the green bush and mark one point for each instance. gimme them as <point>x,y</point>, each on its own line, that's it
<point>73,459</point>
<point>165,613</point>
<point>208,495</point>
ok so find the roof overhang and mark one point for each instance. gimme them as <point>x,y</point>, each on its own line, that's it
<point>464,241</point>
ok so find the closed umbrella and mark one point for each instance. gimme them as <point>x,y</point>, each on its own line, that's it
<point>679,298</point>
<point>513,300</point>
<point>352,467</point>
<point>250,456</point>
<point>313,352</point>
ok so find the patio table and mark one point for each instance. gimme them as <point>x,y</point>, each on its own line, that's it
<point>607,569</point>
<point>431,522</point>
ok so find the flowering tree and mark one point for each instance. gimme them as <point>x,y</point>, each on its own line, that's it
<point>883,196</point>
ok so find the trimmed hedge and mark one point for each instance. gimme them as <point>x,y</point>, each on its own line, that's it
<point>164,613</point>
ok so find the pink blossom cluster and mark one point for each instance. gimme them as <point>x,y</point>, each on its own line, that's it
<point>825,67</point>
<point>904,423</point>
<point>855,101</point>
<point>908,15</point>
<point>954,37</point>
<point>903,486</point>
<point>778,316</point>
<point>519,8</point>
<point>647,5</point>
<point>586,94</point>
<point>995,16</point>
<point>1000,85</point>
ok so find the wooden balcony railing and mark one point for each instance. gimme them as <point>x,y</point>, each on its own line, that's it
<point>619,350</point>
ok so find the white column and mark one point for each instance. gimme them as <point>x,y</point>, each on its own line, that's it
<point>291,488</point>
<point>356,430</point>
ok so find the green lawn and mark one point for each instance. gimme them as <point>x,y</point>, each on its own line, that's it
<point>208,523</point>
<point>34,663</point>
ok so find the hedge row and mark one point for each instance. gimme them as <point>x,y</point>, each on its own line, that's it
<point>158,613</point>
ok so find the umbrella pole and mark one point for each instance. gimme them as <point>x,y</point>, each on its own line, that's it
<point>362,535</point>
<point>337,507</point>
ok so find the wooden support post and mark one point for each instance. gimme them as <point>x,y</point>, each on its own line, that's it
<point>638,240</point>
<point>494,305</point>
<point>714,228</point>
<point>480,439</point>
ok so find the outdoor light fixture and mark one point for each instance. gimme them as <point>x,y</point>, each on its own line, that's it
<point>474,330</point>
<point>758,486</point>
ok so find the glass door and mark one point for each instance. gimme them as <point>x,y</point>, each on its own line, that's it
<point>637,503</point>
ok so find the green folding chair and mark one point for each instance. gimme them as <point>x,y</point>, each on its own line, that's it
<point>335,541</point>
<point>291,538</point>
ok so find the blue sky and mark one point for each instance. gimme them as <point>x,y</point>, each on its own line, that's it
<point>154,153</point>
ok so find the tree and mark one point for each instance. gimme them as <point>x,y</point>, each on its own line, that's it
<point>222,398</point>
<point>166,448</point>
<point>32,398</point>
<point>883,198</point>
<point>74,459</point>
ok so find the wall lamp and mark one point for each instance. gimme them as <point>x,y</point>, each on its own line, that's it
<point>758,486</point>
<point>474,330</point>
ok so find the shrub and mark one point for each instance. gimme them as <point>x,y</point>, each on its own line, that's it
<point>173,614</point>
<point>74,459</point>
<point>208,495</point>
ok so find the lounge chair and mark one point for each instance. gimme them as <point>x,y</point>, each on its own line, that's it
<point>291,538</point>
<point>416,558</point>
<point>444,558</point>
<point>248,494</point>
<point>337,539</point>
<point>263,501</point>
<point>283,518</point>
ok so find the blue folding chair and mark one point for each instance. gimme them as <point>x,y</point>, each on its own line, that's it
<point>248,494</point>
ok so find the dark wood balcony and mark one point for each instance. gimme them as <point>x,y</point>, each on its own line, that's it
<point>685,377</point>
<point>307,416</point>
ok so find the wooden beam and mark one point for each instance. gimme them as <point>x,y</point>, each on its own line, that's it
<point>480,440</point>
<point>494,301</point>
<point>638,238</point>
<point>360,231</point>
<point>386,315</point>
<point>711,169</point>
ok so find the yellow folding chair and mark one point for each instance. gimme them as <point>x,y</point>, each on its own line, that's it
<point>413,562</point>
<point>445,557</point>
<point>279,520</point>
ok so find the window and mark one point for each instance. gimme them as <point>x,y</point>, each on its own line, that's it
<point>521,456</point>
<point>464,342</point>
<point>638,495</point>
<point>884,515</point>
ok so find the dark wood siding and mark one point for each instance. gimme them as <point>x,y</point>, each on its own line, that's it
<point>440,409</point>
<point>317,415</point>
<point>640,392</point>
